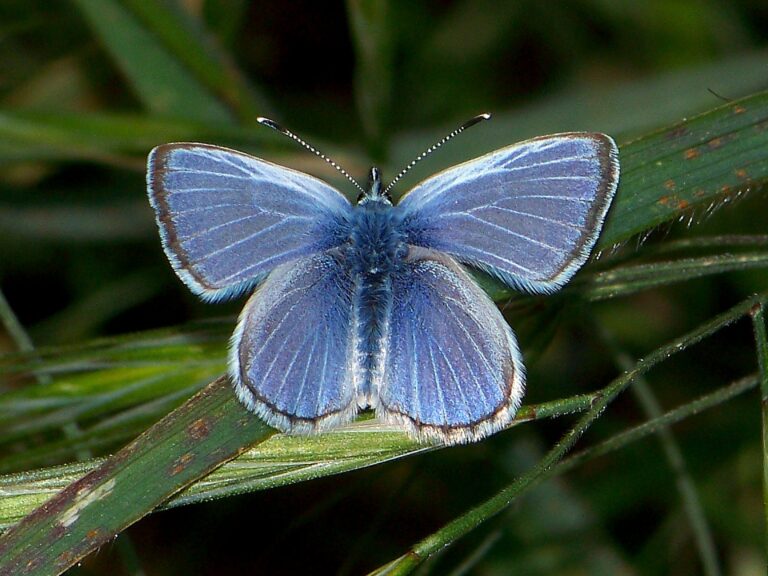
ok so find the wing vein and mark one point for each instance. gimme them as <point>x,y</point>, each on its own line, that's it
<point>212,207</point>
<point>513,233</point>
<point>241,241</point>
<point>223,158</point>
<point>531,214</point>
<point>436,380</point>
<point>477,349</point>
<point>456,381</point>
<point>207,173</point>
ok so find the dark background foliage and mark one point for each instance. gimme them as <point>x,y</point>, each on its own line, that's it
<point>80,257</point>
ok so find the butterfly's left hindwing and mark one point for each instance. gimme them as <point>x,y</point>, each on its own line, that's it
<point>529,213</point>
<point>226,218</point>
<point>290,353</point>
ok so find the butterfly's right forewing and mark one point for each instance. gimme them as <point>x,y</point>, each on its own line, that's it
<point>529,213</point>
<point>227,219</point>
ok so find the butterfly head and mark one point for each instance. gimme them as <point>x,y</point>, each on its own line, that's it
<point>374,192</point>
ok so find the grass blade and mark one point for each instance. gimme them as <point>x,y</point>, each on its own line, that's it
<point>371,35</point>
<point>279,461</point>
<point>628,279</point>
<point>158,79</point>
<point>549,464</point>
<point>700,163</point>
<point>190,442</point>
<point>689,495</point>
<point>186,39</point>
<point>761,341</point>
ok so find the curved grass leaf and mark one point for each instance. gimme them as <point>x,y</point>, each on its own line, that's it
<point>278,461</point>
<point>190,442</point>
<point>420,554</point>
<point>628,279</point>
<point>123,140</point>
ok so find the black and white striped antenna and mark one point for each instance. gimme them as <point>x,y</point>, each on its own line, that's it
<point>468,124</point>
<point>277,127</point>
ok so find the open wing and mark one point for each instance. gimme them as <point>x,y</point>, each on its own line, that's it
<point>452,369</point>
<point>226,219</point>
<point>528,214</point>
<point>289,354</point>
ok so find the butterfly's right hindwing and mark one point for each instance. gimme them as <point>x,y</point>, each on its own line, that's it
<point>227,219</point>
<point>453,372</point>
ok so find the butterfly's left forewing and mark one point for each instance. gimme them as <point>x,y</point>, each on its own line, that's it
<point>227,219</point>
<point>529,213</point>
<point>452,369</point>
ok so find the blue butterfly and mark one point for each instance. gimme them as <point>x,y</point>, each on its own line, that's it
<point>369,305</point>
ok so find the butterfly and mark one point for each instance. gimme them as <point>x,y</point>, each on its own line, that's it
<point>372,305</point>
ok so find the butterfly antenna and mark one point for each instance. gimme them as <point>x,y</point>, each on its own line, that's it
<point>277,127</point>
<point>468,124</point>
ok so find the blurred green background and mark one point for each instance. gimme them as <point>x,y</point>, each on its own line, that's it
<point>88,87</point>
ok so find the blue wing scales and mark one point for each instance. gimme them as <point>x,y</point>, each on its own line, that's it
<point>290,354</point>
<point>529,213</point>
<point>226,218</point>
<point>452,371</point>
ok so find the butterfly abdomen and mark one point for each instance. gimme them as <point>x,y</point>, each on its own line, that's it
<point>376,250</point>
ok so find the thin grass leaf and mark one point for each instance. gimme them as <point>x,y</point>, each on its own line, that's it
<point>72,223</point>
<point>727,242</point>
<point>689,494</point>
<point>113,388</point>
<point>113,139</point>
<point>13,326</point>
<point>189,42</point>
<point>123,140</point>
<point>159,79</point>
<point>761,341</point>
<point>410,562</point>
<point>629,279</point>
<point>553,461</point>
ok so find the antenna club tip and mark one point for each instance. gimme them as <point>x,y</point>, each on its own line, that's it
<point>476,120</point>
<point>271,123</point>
